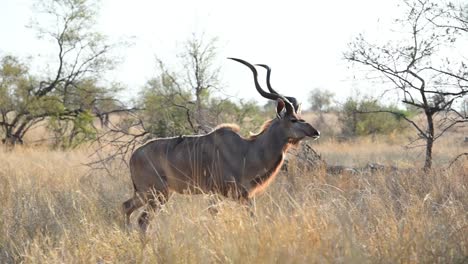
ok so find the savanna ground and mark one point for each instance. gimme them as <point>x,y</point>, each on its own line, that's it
<point>55,210</point>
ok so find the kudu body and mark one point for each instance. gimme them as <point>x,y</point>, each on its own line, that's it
<point>221,161</point>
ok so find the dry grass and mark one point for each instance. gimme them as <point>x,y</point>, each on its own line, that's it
<point>390,150</point>
<point>56,211</point>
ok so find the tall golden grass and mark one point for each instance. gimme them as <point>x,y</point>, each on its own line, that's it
<point>392,150</point>
<point>55,210</point>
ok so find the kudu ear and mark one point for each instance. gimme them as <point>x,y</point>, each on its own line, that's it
<point>280,106</point>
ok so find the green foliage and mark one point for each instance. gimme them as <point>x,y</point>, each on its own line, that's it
<point>71,132</point>
<point>68,112</point>
<point>167,108</point>
<point>368,116</point>
<point>181,101</point>
<point>83,129</point>
<point>72,124</point>
<point>246,114</point>
<point>321,100</point>
<point>14,84</point>
<point>170,111</point>
<point>66,98</point>
<point>17,94</point>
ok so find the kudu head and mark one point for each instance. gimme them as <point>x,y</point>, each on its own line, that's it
<point>288,109</point>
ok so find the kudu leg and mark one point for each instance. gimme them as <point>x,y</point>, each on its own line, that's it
<point>213,205</point>
<point>243,198</point>
<point>131,205</point>
<point>155,201</point>
<point>247,203</point>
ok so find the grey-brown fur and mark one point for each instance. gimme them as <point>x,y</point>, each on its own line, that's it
<point>221,162</point>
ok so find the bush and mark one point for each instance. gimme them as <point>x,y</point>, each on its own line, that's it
<point>368,116</point>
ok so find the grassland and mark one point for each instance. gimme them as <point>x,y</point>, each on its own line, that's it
<point>55,210</point>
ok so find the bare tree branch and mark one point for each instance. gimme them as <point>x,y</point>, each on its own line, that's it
<point>457,158</point>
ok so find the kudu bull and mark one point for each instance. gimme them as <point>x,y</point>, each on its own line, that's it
<point>221,161</point>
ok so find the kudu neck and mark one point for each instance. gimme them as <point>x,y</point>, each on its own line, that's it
<point>273,140</point>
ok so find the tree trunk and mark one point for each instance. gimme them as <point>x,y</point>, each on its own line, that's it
<point>428,162</point>
<point>15,132</point>
<point>200,119</point>
<point>199,114</point>
<point>12,140</point>
<point>354,123</point>
<point>429,141</point>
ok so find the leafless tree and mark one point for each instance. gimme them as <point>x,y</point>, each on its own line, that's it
<point>200,75</point>
<point>419,69</point>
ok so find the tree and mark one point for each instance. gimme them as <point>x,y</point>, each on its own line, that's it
<point>200,76</point>
<point>176,102</point>
<point>91,100</point>
<point>464,108</point>
<point>14,85</point>
<point>449,16</point>
<point>419,69</point>
<point>321,100</point>
<point>246,114</point>
<point>167,108</point>
<point>73,90</point>
<point>368,116</point>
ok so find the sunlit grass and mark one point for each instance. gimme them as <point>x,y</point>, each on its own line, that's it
<point>390,150</point>
<point>55,210</point>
